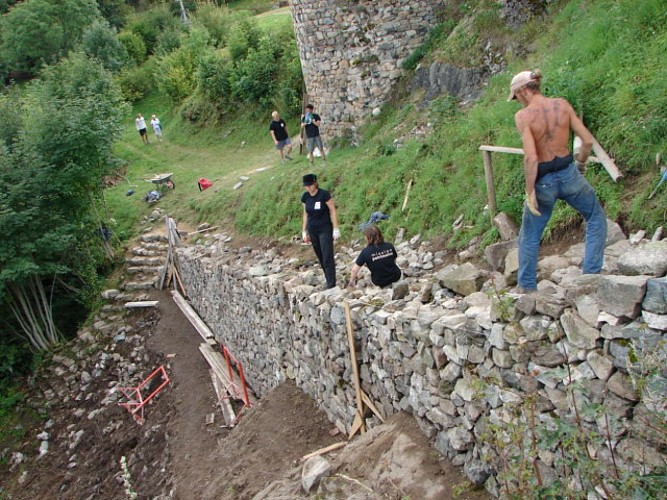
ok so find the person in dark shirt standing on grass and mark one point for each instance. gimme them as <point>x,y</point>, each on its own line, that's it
<point>311,122</point>
<point>320,225</point>
<point>380,258</point>
<point>280,136</point>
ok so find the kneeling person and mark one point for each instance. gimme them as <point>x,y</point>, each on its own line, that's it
<point>380,258</point>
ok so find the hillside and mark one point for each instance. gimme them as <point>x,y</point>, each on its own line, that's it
<point>433,145</point>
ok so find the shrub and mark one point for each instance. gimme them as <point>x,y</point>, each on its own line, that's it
<point>101,42</point>
<point>214,76</point>
<point>216,20</point>
<point>134,46</point>
<point>149,24</point>
<point>244,35</point>
<point>168,41</point>
<point>253,77</point>
<point>138,82</point>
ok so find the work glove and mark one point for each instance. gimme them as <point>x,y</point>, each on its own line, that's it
<point>336,233</point>
<point>531,203</point>
<point>305,237</point>
<point>581,166</point>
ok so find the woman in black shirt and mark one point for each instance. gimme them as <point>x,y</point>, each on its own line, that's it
<point>320,225</point>
<point>379,257</point>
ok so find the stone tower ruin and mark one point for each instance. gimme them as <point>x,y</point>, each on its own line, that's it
<point>351,52</point>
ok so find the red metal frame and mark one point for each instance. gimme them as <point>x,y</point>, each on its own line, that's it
<point>234,389</point>
<point>137,401</point>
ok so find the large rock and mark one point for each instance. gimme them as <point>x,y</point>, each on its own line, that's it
<point>650,259</point>
<point>578,332</point>
<point>497,253</point>
<point>622,295</point>
<point>655,300</point>
<point>507,228</point>
<point>313,470</point>
<point>464,280</point>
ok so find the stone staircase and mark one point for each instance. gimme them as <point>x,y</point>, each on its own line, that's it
<point>146,265</point>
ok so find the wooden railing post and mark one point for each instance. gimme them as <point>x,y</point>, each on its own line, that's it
<point>490,186</point>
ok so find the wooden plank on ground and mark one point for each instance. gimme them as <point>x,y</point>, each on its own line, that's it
<point>217,362</point>
<point>225,405</point>
<point>142,303</point>
<point>194,318</point>
<point>322,451</point>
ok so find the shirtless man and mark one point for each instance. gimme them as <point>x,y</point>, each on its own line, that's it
<point>552,173</point>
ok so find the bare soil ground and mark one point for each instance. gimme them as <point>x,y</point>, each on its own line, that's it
<point>175,454</point>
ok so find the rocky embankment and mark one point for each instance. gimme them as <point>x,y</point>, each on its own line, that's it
<point>82,431</point>
<point>451,343</point>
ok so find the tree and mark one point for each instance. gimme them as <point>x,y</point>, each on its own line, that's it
<point>37,32</point>
<point>49,176</point>
<point>101,42</point>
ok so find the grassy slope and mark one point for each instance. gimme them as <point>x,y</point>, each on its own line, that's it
<point>605,56</point>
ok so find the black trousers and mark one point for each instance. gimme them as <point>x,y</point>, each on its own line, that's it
<point>322,240</point>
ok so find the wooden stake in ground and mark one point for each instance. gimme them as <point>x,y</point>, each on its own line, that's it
<point>362,398</point>
<point>355,368</point>
<point>407,195</point>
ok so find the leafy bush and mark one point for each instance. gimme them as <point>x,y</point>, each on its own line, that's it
<point>149,24</point>
<point>42,31</point>
<point>134,46</point>
<point>216,20</point>
<point>138,82</point>
<point>177,71</point>
<point>101,42</point>
<point>252,78</point>
<point>244,35</point>
<point>214,74</point>
<point>288,85</point>
<point>168,41</point>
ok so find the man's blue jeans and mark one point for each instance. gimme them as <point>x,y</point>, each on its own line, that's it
<point>570,186</point>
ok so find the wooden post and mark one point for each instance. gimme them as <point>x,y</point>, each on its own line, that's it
<point>355,368</point>
<point>490,186</point>
<point>407,194</point>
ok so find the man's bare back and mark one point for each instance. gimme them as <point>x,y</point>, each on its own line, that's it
<point>549,122</point>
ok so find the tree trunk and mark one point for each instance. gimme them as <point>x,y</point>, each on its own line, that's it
<point>32,310</point>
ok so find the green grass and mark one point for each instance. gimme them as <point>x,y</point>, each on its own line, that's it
<point>275,20</point>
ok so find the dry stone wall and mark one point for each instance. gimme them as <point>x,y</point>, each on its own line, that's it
<point>351,52</point>
<point>456,351</point>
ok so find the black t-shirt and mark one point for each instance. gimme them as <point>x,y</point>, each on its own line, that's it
<point>312,130</point>
<point>381,261</point>
<point>279,129</point>
<point>319,217</point>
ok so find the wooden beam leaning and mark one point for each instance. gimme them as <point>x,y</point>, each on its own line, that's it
<point>355,368</point>
<point>193,317</point>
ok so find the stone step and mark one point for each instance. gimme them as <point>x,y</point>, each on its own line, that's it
<point>144,261</point>
<point>149,270</point>
<point>152,237</point>
<point>155,246</point>
<point>141,285</point>
<point>146,252</point>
